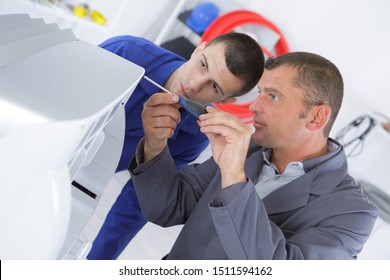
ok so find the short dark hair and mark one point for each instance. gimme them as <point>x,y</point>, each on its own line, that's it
<point>320,79</point>
<point>244,58</point>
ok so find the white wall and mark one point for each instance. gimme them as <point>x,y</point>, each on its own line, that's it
<point>354,34</point>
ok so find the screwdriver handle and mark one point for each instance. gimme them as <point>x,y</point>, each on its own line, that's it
<point>194,108</point>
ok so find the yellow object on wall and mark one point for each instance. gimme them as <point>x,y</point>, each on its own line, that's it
<point>81,10</point>
<point>98,17</point>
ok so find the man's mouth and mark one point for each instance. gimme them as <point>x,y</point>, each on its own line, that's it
<point>183,92</point>
<point>258,124</point>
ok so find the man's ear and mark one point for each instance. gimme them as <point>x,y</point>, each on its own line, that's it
<point>227,100</point>
<point>199,48</point>
<point>318,117</point>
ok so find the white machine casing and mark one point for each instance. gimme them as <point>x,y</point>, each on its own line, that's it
<point>62,124</point>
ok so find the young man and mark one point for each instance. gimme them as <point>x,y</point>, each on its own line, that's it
<point>227,67</point>
<point>285,195</point>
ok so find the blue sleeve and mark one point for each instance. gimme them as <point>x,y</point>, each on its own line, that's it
<point>143,53</point>
<point>128,47</point>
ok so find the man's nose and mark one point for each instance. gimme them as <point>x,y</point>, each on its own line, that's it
<point>198,83</point>
<point>256,105</point>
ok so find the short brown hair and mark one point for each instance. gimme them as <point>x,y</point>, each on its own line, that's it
<point>318,77</point>
<point>244,58</point>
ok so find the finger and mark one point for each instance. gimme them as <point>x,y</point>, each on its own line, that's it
<point>160,133</point>
<point>159,112</point>
<point>157,108</point>
<point>162,98</point>
<point>164,122</point>
<point>226,131</point>
<point>159,128</point>
<point>219,118</point>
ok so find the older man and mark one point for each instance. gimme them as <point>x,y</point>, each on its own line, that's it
<point>287,195</point>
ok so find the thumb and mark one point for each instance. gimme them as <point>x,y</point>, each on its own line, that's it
<point>175,98</point>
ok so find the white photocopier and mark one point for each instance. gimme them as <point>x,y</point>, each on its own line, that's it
<point>61,135</point>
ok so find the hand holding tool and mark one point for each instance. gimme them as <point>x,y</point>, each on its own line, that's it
<point>194,108</point>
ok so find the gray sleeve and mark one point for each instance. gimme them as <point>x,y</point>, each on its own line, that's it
<point>247,232</point>
<point>168,196</point>
<point>242,224</point>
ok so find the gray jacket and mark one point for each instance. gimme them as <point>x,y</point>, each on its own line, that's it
<point>321,215</point>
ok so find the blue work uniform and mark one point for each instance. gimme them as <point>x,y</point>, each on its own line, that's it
<point>125,218</point>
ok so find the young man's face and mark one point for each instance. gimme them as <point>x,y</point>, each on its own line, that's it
<point>279,112</point>
<point>205,77</point>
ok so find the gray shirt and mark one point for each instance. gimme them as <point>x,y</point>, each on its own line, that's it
<point>270,179</point>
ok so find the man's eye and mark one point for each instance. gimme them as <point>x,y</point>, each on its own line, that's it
<point>215,88</point>
<point>274,97</point>
<point>202,64</point>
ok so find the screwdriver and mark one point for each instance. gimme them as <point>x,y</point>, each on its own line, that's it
<point>195,109</point>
